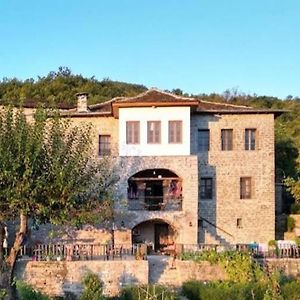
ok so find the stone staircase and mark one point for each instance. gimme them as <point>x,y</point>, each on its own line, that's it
<point>208,237</point>
<point>162,272</point>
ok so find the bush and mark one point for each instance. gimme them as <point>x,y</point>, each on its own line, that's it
<point>240,267</point>
<point>272,243</point>
<point>26,292</point>
<point>2,294</point>
<point>93,287</point>
<point>147,292</point>
<point>295,208</point>
<point>291,290</point>
<point>196,290</point>
<point>290,223</point>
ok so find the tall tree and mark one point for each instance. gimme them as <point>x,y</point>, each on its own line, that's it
<point>293,184</point>
<point>46,173</point>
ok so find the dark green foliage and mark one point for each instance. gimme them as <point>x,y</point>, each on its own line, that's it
<point>290,223</point>
<point>291,290</point>
<point>295,208</point>
<point>148,292</point>
<point>240,267</point>
<point>61,87</point>
<point>2,294</point>
<point>196,290</point>
<point>92,287</point>
<point>28,293</point>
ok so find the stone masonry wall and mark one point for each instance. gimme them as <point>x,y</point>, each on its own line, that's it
<point>102,126</point>
<point>226,168</point>
<point>57,278</point>
<point>184,222</point>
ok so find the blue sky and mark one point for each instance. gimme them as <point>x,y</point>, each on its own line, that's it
<point>198,46</point>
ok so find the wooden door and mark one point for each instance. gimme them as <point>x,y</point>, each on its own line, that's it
<point>161,234</point>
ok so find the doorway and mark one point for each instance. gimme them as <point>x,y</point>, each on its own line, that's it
<point>161,236</point>
<point>156,234</point>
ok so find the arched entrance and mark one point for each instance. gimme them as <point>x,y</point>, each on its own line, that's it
<point>157,234</point>
<point>155,189</point>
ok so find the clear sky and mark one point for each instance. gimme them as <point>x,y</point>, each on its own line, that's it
<point>198,46</point>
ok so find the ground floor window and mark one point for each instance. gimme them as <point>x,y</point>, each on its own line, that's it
<point>206,188</point>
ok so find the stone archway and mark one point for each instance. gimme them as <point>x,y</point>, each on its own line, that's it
<point>154,190</point>
<point>156,234</point>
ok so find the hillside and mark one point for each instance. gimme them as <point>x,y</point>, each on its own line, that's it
<point>61,86</point>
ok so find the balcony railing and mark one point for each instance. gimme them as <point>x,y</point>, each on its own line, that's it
<point>153,203</point>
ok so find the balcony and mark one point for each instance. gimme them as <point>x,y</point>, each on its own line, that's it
<point>153,203</point>
<point>155,190</point>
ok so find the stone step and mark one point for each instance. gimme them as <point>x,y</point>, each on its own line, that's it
<point>161,271</point>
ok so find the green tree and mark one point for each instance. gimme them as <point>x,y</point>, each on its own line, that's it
<point>293,184</point>
<point>46,173</point>
<point>59,88</point>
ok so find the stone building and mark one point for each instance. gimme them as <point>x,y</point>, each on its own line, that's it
<point>190,171</point>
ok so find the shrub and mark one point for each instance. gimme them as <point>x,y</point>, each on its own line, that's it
<point>240,267</point>
<point>291,290</point>
<point>272,243</point>
<point>93,287</point>
<point>295,208</point>
<point>290,223</point>
<point>196,290</point>
<point>26,292</point>
<point>147,292</point>
<point>2,294</point>
<point>297,240</point>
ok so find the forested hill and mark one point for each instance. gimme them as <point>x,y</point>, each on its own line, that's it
<point>60,87</point>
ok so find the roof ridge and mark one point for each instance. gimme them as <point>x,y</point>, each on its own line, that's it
<point>156,90</point>
<point>226,104</point>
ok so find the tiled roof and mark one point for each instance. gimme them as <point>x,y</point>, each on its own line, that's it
<point>154,95</point>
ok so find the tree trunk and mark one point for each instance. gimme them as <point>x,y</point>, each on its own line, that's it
<point>10,261</point>
<point>2,235</point>
<point>4,274</point>
<point>2,266</point>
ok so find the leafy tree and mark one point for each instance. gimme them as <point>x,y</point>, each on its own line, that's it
<point>46,173</point>
<point>293,184</point>
<point>60,87</point>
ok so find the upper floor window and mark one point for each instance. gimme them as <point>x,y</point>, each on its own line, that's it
<point>203,140</point>
<point>175,132</point>
<point>104,145</point>
<point>206,188</point>
<point>250,139</point>
<point>245,188</point>
<point>226,138</point>
<point>132,132</point>
<point>153,132</point>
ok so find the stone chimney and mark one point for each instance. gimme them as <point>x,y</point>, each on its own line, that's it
<point>82,102</point>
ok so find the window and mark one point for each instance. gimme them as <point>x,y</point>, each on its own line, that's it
<point>153,132</point>
<point>200,223</point>
<point>132,132</point>
<point>245,188</point>
<point>175,132</point>
<point>250,138</point>
<point>226,136</point>
<point>203,140</point>
<point>206,188</point>
<point>104,145</point>
<point>239,223</point>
